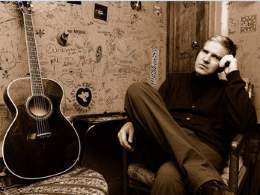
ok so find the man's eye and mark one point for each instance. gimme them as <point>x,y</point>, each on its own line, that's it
<point>205,51</point>
<point>217,57</point>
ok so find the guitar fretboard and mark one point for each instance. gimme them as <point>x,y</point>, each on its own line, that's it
<point>35,73</point>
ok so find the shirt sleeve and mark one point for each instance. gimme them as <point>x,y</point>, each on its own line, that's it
<point>240,109</point>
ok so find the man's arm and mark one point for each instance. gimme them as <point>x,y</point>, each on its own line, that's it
<point>240,107</point>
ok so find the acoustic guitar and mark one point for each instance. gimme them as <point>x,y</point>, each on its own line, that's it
<point>40,142</point>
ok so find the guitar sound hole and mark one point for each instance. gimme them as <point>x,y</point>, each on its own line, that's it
<point>39,106</point>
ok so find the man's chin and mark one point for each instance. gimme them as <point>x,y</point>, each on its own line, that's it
<point>200,72</point>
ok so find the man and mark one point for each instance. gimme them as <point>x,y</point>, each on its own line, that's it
<point>185,129</point>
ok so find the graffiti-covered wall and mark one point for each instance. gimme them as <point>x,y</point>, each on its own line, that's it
<point>109,46</point>
<point>244,29</point>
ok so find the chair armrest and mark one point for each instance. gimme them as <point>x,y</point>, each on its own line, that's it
<point>236,143</point>
<point>235,163</point>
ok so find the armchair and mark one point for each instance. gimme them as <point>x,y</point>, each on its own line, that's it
<point>139,179</point>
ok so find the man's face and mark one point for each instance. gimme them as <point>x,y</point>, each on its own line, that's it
<point>207,61</point>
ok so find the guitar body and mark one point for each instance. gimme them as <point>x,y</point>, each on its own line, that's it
<point>40,142</point>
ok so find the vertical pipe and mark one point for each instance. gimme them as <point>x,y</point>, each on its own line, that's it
<point>224,18</point>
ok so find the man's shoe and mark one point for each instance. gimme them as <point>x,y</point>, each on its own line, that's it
<point>213,187</point>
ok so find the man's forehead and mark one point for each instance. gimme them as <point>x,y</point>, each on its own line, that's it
<point>216,48</point>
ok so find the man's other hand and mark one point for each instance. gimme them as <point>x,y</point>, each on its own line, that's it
<point>126,136</point>
<point>232,63</point>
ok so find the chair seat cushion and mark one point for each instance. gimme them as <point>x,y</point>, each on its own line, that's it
<point>141,174</point>
<point>79,181</point>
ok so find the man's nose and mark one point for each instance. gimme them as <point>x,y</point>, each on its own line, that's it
<point>206,58</point>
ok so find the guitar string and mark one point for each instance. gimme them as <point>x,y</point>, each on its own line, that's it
<point>44,107</point>
<point>38,121</point>
<point>29,29</point>
<point>37,124</point>
<point>41,106</point>
<point>39,102</point>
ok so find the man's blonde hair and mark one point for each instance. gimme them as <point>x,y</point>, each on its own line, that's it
<point>225,42</point>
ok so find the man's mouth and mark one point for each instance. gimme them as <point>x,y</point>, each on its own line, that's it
<point>203,66</point>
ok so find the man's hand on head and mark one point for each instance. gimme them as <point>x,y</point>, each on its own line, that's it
<point>232,66</point>
<point>126,136</point>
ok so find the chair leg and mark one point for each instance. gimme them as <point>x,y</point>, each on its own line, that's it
<point>124,174</point>
<point>233,173</point>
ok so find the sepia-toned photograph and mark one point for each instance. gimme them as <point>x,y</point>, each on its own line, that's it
<point>130,97</point>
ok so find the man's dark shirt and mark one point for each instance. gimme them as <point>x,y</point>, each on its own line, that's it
<point>214,109</point>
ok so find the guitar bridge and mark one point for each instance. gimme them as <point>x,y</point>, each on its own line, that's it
<point>34,136</point>
<point>44,135</point>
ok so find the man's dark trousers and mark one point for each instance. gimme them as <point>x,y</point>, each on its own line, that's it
<point>188,156</point>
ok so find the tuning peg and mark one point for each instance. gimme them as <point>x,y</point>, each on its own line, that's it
<point>136,5</point>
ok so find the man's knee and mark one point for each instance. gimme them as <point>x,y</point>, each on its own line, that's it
<point>168,180</point>
<point>136,89</point>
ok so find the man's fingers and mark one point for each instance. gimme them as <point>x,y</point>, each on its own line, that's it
<point>123,141</point>
<point>127,146</point>
<point>232,65</point>
<point>225,59</point>
<point>131,137</point>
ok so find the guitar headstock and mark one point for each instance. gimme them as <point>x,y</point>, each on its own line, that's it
<point>25,7</point>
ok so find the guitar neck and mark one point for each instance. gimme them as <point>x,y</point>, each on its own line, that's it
<point>35,73</point>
